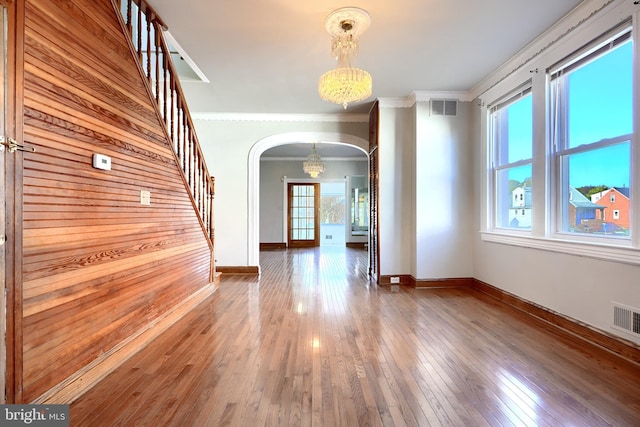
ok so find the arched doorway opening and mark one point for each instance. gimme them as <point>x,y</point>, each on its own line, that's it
<point>253,202</point>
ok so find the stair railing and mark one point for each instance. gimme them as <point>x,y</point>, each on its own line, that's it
<point>146,28</point>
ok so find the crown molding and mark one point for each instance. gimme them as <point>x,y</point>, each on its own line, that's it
<point>428,95</point>
<point>277,117</point>
<point>424,96</point>
<point>395,102</point>
<point>362,158</point>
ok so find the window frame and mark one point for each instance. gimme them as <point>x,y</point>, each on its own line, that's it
<point>508,99</point>
<point>560,154</point>
<point>543,234</point>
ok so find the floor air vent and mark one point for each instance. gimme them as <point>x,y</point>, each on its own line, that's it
<point>444,107</point>
<point>626,318</point>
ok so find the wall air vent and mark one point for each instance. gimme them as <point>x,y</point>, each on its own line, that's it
<point>626,318</point>
<point>444,107</point>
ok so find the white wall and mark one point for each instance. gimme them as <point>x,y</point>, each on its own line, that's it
<point>272,210</point>
<point>443,195</point>
<point>226,145</point>
<point>426,192</point>
<point>395,189</point>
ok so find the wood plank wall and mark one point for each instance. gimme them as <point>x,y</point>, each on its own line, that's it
<point>98,265</point>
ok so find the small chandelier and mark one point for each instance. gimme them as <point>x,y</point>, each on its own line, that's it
<point>345,84</point>
<point>314,165</point>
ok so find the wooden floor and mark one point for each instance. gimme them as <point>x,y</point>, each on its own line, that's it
<point>312,342</point>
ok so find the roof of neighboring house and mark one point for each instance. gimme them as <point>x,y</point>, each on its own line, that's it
<point>580,201</point>
<point>624,191</point>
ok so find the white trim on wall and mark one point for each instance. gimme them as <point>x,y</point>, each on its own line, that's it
<point>326,159</point>
<point>424,96</point>
<point>277,117</point>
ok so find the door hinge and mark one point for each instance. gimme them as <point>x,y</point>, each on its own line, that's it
<point>12,145</point>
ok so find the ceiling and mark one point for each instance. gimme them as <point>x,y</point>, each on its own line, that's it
<point>266,56</point>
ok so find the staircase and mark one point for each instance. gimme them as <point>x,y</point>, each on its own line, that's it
<point>145,29</point>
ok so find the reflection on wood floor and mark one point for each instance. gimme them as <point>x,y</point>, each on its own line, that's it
<point>313,342</point>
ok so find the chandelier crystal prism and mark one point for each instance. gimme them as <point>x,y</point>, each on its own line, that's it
<point>314,165</point>
<point>345,83</point>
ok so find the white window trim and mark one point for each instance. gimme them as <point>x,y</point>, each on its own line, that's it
<point>598,250</point>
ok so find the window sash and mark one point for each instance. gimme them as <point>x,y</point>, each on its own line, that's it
<point>602,44</point>
<point>498,155</point>
<point>560,72</point>
<point>562,151</point>
<point>501,196</point>
<point>511,98</point>
<point>594,145</point>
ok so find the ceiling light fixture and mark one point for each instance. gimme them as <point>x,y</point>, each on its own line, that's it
<point>345,83</point>
<point>314,165</point>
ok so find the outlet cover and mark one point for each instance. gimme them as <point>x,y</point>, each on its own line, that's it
<point>145,197</point>
<point>395,279</point>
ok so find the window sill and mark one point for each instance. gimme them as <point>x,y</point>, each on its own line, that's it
<point>607,252</point>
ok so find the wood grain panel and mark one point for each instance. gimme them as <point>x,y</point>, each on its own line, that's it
<point>98,267</point>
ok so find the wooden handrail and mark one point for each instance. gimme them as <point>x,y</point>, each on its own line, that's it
<point>145,28</point>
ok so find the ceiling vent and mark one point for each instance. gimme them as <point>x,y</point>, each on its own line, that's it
<point>444,107</point>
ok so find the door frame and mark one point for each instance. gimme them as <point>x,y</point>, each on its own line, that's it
<point>374,181</point>
<point>316,218</point>
<point>253,173</point>
<point>13,180</point>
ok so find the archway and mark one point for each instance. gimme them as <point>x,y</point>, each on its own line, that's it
<point>253,193</point>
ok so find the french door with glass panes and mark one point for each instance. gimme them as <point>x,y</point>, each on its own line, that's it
<point>303,229</point>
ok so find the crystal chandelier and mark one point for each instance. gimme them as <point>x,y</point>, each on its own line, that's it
<point>314,165</point>
<point>345,83</point>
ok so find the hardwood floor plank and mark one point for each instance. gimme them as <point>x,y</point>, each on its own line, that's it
<point>312,342</point>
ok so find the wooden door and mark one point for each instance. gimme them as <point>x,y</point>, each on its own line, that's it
<point>303,219</point>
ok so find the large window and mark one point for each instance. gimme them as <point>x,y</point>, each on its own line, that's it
<point>592,129</point>
<point>562,148</point>
<point>511,135</point>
